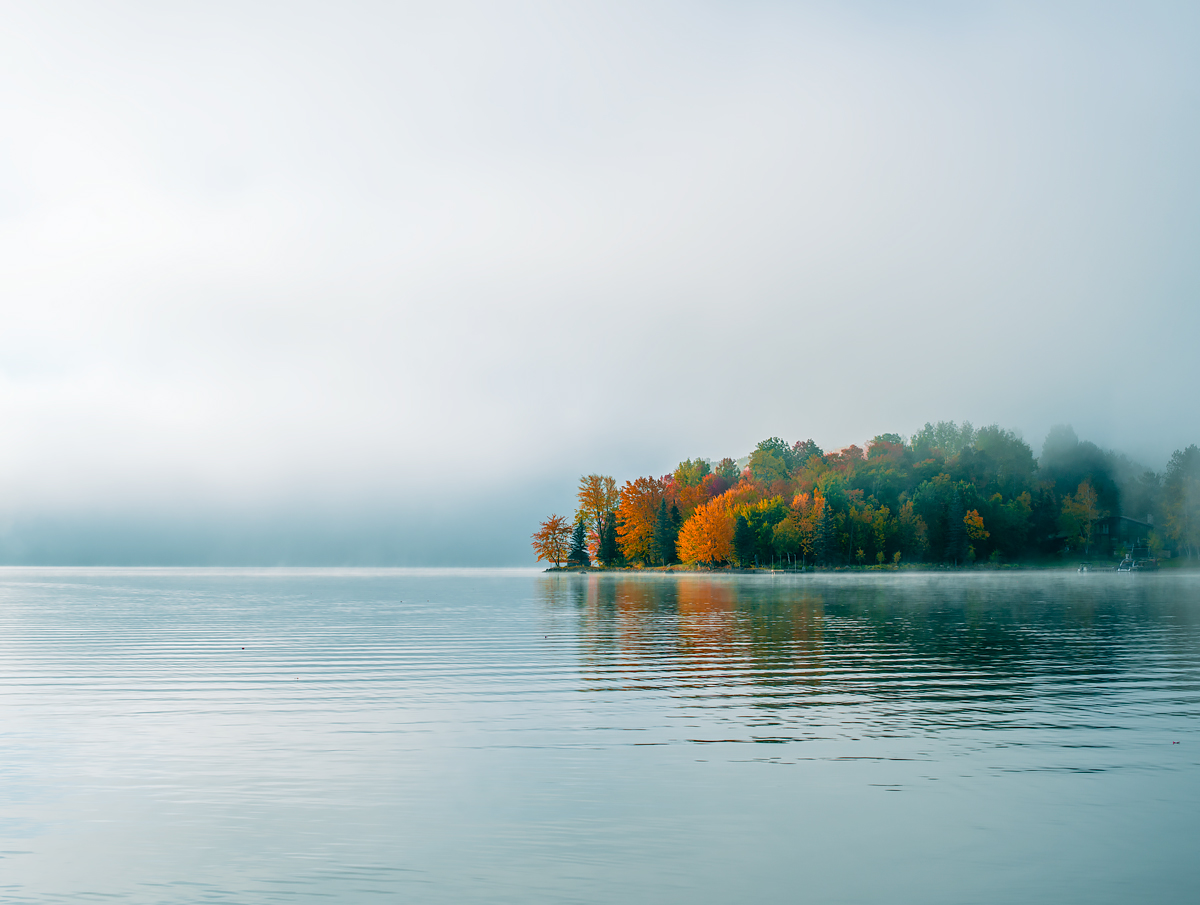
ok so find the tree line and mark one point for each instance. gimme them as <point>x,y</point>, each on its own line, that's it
<point>950,493</point>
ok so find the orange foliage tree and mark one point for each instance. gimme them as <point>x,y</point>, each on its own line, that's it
<point>637,514</point>
<point>707,537</point>
<point>974,522</point>
<point>552,540</point>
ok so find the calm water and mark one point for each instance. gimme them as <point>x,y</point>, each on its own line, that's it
<point>297,736</point>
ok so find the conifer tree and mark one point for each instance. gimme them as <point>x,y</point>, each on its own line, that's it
<point>956,529</point>
<point>824,541</point>
<point>579,552</point>
<point>665,534</point>
<point>744,540</point>
<point>608,552</point>
<point>728,469</point>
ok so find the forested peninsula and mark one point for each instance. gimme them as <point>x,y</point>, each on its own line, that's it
<point>949,495</point>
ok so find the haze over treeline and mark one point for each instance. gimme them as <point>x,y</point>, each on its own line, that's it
<point>372,283</point>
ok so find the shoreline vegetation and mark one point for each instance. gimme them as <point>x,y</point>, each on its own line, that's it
<point>948,497</point>
<point>1177,565</point>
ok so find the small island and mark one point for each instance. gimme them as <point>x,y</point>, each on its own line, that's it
<point>949,496</point>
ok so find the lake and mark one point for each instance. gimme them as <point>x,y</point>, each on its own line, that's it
<point>512,736</point>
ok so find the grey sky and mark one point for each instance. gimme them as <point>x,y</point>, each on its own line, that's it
<point>306,274</point>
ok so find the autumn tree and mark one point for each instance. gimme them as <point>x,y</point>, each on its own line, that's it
<point>597,498</point>
<point>637,513</point>
<point>824,538</point>
<point>975,529</point>
<point>1078,516</point>
<point>550,541</point>
<point>707,537</point>
<point>973,522</point>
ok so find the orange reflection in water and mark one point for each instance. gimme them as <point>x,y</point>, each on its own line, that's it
<point>692,626</point>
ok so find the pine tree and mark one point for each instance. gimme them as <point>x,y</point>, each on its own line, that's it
<point>824,541</point>
<point>579,553</point>
<point>608,552</point>
<point>956,529</point>
<point>665,534</point>
<point>744,540</point>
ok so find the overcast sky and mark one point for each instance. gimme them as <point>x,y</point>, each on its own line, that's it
<point>355,282</point>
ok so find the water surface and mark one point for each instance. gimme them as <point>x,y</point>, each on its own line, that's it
<point>510,736</point>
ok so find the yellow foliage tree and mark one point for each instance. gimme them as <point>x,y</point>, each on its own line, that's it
<point>597,497</point>
<point>1079,514</point>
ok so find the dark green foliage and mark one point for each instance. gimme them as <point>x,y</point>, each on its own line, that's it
<point>1181,487</point>
<point>744,542</point>
<point>762,521</point>
<point>665,534</point>
<point>609,552</point>
<point>728,469</point>
<point>578,555</point>
<point>802,450</point>
<point>771,461</point>
<point>956,531</point>
<point>946,440</point>
<point>825,539</point>
<point>689,473</point>
<point>1067,461</point>
<point>1142,495</point>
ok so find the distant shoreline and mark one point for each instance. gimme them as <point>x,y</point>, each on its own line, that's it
<point>1178,565</point>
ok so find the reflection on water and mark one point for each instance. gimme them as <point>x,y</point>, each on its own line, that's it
<point>946,650</point>
<point>476,736</point>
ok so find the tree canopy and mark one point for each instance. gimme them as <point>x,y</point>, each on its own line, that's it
<point>949,493</point>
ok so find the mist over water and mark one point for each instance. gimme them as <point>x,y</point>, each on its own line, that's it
<point>511,736</point>
<point>294,266</point>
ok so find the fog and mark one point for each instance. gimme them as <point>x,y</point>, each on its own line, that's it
<point>375,283</point>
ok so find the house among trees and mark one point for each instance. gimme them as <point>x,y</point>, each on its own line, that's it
<point>1115,533</point>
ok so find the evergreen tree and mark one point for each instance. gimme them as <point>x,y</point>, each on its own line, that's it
<point>825,538</point>
<point>578,556</point>
<point>820,529</point>
<point>608,552</point>
<point>744,541</point>
<point>665,534</point>
<point>956,529</point>
<point>728,469</point>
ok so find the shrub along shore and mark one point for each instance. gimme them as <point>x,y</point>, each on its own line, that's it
<point>950,496</point>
